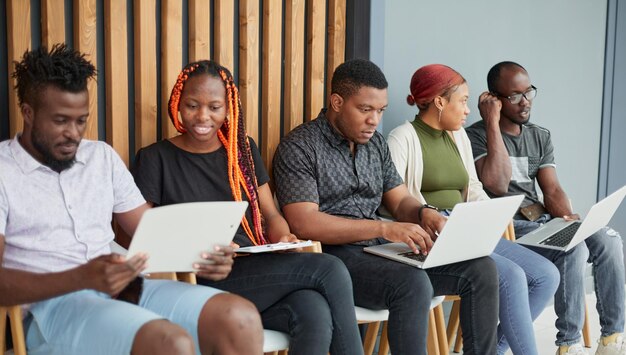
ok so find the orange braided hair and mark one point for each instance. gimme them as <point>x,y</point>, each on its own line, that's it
<point>232,134</point>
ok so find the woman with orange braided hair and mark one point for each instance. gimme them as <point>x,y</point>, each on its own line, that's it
<point>307,295</point>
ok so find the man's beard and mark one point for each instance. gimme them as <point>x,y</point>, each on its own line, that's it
<point>48,159</point>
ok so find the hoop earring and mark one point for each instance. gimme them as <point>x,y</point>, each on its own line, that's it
<point>439,119</point>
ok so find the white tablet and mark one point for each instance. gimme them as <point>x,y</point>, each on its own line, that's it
<point>174,236</point>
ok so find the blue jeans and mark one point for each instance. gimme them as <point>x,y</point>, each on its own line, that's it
<point>306,295</point>
<point>406,292</point>
<point>604,250</point>
<point>527,283</point>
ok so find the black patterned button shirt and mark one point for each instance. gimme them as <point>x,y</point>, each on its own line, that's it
<point>313,163</point>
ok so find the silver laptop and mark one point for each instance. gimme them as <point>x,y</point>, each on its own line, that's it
<point>174,236</point>
<point>560,234</point>
<point>472,231</point>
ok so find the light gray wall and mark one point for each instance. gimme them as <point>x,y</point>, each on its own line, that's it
<point>560,42</point>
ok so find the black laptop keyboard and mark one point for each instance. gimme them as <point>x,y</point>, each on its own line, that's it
<point>562,237</point>
<point>412,255</point>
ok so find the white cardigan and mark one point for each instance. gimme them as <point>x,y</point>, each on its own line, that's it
<point>406,152</point>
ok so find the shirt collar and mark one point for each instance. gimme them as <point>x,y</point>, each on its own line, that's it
<point>28,163</point>
<point>334,137</point>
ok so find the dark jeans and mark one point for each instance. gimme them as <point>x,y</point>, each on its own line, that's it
<point>407,291</point>
<point>307,295</point>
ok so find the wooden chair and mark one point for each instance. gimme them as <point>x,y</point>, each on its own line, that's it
<point>17,329</point>
<point>437,344</point>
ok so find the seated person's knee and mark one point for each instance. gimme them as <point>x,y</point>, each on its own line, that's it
<point>232,312</point>
<point>162,337</point>
<point>483,271</point>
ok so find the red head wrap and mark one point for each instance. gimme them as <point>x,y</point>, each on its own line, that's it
<point>430,81</point>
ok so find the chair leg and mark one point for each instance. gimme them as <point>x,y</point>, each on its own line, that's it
<point>586,331</point>
<point>17,330</point>
<point>440,324</point>
<point>383,344</point>
<point>454,321</point>
<point>370,338</point>
<point>432,344</point>
<point>3,329</point>
<point>458,344</point>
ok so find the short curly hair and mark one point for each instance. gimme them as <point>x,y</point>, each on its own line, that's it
<point>61,67</point>
<point>350,76</point>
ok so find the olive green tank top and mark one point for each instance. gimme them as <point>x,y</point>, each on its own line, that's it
<point>445,176</point>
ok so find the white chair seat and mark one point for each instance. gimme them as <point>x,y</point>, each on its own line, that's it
<point>365,315</point>
<point>274,340</point>
<point>436,301</point>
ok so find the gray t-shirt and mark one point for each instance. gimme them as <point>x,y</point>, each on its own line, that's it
<point>530,151</point>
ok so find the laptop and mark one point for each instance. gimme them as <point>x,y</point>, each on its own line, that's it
<point>472,231</point>
<point>559,234</point>
<point>174,236</point>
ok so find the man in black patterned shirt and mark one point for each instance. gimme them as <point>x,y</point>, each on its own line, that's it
<point>331,176</point>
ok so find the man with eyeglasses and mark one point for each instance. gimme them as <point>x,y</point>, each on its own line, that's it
<point>510,155</point>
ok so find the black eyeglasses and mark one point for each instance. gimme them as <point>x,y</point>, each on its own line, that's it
<point>517,98</point>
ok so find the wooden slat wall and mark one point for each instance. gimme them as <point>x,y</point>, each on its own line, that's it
<point>271,81</point>
<point>336,52</point>
<point>52,22</point>
<point>18,23</point>
<point>316,19</point>
<point>294,65</point>
<point>116,73</point>
<point>171,56</point>
<point>249,64</point>
<point>145,73</point>
<point>224,34</point>
<point>199,30</point>
<point>85,41</point>
<point>306,56</point>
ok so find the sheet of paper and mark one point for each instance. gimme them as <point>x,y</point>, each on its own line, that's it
<point>274,247</point>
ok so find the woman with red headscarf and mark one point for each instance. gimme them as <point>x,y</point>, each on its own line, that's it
<point>434,156</point>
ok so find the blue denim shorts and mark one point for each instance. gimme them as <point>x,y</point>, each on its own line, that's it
<point>90,322</point>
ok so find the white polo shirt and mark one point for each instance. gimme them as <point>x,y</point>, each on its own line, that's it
<point>54,222</point>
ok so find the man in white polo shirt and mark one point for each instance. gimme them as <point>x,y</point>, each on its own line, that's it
<point>58,194</point>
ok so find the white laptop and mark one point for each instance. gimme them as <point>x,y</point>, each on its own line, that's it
<point>174,236</point>
<point>560,234</point>
<point>472,231</point>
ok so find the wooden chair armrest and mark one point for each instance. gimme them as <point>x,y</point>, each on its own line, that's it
<point>315,248</point>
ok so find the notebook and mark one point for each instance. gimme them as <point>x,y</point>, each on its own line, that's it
<point>472,231</point>
<point>174,236</point>
<point>268,248</point>
<point>560,234</point>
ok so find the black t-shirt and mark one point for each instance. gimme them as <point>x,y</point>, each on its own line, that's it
<point>167,175</point>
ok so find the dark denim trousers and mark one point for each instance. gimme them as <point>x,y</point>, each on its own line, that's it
<point>407,291</point>
<point>306,295</point>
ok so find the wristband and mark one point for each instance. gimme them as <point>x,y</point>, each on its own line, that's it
<point>421,209</point>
